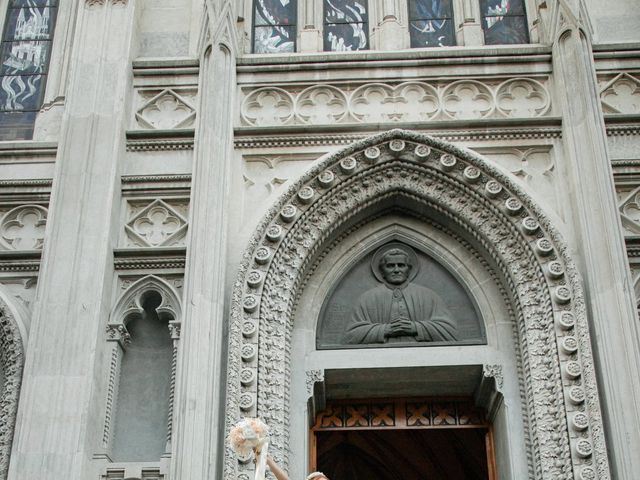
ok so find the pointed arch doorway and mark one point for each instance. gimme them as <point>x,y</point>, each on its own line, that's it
<point>403,439</point>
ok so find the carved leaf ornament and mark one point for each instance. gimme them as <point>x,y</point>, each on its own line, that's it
<point>512,230</point>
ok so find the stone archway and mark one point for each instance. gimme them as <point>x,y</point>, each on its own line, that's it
<point>560,398</point>
<point>11,363</point>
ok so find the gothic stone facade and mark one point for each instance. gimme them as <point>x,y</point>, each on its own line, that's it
<point>171,175</point>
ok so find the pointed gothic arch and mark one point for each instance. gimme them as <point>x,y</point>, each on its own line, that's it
<point>12,338</point>
<point>560,400</point>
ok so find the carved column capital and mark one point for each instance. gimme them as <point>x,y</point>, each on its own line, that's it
<point>313,377</point>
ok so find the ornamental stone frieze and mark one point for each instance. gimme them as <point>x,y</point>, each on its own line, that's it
<point>412,101</point>
<point>560,400</point>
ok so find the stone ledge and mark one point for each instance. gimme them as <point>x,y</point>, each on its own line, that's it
<point>409,57</point>
<point>154,140</point>
<point>162,258</point>
<point>29,148</point>
<point>20,260</point>
<point>344,134</point>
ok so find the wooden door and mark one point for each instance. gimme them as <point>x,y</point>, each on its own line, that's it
<point>402,439</point>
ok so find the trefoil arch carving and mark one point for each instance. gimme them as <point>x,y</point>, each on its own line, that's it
<point>566,438</point>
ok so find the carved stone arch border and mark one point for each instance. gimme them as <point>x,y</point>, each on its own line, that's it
<point>12,363</point>
<point>128,305</point>
<point>562,405</point>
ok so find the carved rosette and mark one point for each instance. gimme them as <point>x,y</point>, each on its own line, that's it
<point>557,364</point>
<point>12,362</point>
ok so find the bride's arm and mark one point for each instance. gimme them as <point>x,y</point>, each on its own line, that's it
<point>276,470</point>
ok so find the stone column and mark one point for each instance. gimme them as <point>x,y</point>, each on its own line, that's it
<point>596,223</point>
<point>58,418</point>
<point>310,38</point>
<point>470,31</point>
<point>389,33</point>
<point>198,441</point>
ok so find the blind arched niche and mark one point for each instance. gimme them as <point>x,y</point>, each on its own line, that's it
<point>144,332</point>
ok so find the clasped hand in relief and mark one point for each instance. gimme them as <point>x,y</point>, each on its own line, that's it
<point>400,328</point>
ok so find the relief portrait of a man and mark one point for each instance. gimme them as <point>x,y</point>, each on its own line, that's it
<point>398,310</point>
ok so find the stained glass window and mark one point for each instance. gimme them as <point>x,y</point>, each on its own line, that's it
<point>504,21</point>
<point>24,57</point>
<point>274,26</point>
<point>346,25</point>
<point>431,23</point>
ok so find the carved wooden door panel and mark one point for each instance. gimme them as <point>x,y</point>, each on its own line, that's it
<point>403,439</point>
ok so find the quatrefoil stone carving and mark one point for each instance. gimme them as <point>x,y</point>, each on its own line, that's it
<point>23,228</point>
<point>165,111</point>
<point>156,225</point>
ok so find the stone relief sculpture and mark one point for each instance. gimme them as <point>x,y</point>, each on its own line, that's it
<point>399,310</point>
<point>397,295</point>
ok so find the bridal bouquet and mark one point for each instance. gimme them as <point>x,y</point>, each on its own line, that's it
<point>251,434</point>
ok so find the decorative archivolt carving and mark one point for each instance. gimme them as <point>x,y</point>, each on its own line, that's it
<point>11,362</point>
<point>621,94</point>
<point>23,227</point>
<point>399,102</point>
<point>552,331</point>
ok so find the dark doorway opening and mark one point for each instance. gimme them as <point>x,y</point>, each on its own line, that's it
<point>404,454</point>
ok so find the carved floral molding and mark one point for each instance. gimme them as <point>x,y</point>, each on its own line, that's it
<point>560,398</point>
<point>414,101</point>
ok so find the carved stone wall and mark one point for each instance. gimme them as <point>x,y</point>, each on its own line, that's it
<point>562,405</point>
<point>11,364</point>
